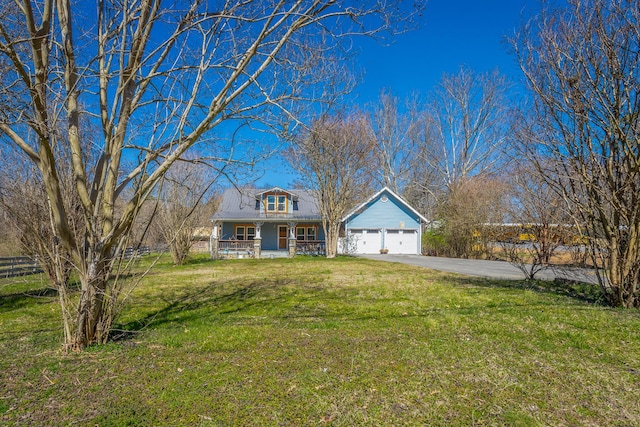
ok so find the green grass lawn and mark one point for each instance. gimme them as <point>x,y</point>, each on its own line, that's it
<point>309,341</point>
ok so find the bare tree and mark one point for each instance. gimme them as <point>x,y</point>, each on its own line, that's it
<point>25,205</point>
<point>468,120</point>
<point>156,80</point>
<point>397,133</point>
<point>334,156</point>
<point>186,202</point>
<point>459,134</point>
<point>542,215</point>
<point>581,64</point>
<point>9,234</point>
<point>464,213</point>
<point>424,186</point>
<point>462,133</point>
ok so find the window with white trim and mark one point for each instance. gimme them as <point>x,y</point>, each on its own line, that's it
<point>251,233</point>
<point>305,233</point>
<point>245,232</point>
<point>282,203</point>
<point>275,203</point>
<point>271,203</point>
<point>311,233</point>
<point>300,233</point>
<point>240,232</point>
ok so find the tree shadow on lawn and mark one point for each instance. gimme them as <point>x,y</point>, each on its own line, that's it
<point>44,295</point>
<point>219,299</point>
<point>20,300</point>
<point>212,296</point>
<point>584,292</point>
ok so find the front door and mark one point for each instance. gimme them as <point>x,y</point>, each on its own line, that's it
<point>282,237</point>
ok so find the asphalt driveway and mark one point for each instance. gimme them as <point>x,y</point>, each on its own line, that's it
<point>481,268</point>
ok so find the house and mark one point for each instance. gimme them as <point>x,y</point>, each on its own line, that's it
<point>254,222</point>
<point>385,222</point>
<point>251,221</point>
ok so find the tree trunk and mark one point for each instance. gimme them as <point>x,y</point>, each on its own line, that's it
<point>61,281</point>
<point>331,239</point>
<point>620,284</point>
<point>94,321</point>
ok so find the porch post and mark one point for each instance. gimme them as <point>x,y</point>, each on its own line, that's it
<point>292,239</point>
<point>257,240</point>
<point>213,241</point>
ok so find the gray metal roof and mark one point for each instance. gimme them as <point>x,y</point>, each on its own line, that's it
<point>240,204</point>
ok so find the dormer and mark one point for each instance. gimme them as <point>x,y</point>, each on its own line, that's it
<point>276,201</point>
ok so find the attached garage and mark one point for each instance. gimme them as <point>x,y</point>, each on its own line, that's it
<point>399,241</point>
<point>365,241</point>
<point>384,222</point>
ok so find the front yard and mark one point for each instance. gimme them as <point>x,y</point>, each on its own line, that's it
<point>310,341</point>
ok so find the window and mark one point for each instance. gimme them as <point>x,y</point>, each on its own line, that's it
<point>300,233</point>
<point>311,233</point>
<point>276,203</point>
<point>305,233</point>
<point>282,203</point>
<point>240,233</point>
<point>251,233</point>
<point>271,203</point>
<point>245,232</point>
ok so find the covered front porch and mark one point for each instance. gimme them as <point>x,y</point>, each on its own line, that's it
<point>266,239</point>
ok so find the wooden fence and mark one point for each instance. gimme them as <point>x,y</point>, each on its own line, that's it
<point>18,266</point>
<point>136,252</point>
<point>23,265</point>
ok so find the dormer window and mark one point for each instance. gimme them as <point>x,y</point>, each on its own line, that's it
<point>276,203</point>
<point>271,203</point>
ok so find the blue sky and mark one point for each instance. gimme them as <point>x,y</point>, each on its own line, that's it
<point>452,33</point>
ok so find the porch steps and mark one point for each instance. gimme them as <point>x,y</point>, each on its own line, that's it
<point>274,254</point>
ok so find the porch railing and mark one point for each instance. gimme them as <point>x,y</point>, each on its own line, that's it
<point>235,248</point>
<point>311,247</point>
